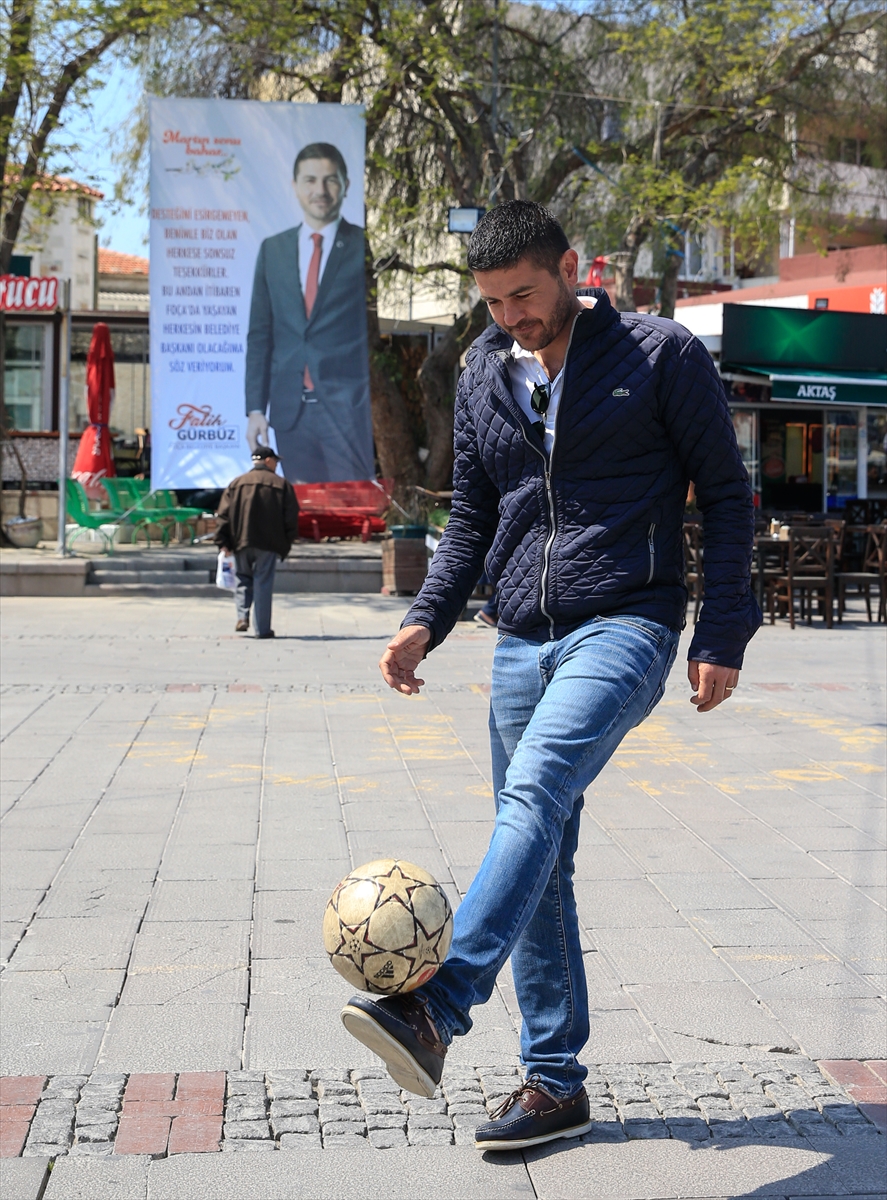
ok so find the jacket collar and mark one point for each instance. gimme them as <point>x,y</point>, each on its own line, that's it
<point>496,342</point>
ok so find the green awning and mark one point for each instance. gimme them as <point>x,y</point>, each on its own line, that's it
<point>799,386</point>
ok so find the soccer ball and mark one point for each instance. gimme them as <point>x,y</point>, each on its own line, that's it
<point>388,926</point>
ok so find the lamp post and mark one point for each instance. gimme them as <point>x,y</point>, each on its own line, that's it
<point>494,102</point>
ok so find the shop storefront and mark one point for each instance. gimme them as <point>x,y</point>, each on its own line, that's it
<point>808,395</point>
<point>32,318</point>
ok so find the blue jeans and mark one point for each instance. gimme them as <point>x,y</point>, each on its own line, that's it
<point>255,585</point>
<point>558,711</point>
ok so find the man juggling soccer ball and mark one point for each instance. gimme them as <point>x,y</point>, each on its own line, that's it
<point>577,431</point>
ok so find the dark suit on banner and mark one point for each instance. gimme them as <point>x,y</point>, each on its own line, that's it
<point>324,433</point>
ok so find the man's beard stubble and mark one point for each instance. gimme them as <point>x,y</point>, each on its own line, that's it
<point>551,328</point>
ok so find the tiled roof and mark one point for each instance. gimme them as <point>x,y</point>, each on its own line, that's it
<point>112,262</point>
<point>58,183</point>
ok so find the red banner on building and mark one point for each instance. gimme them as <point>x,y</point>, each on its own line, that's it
<point>20,294</point>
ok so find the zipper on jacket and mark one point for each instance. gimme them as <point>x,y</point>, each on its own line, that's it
<point>652,549</point>
<point>546,553</point>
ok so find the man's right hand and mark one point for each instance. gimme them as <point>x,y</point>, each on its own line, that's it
<point>257,429</point>
<point>404,653</point>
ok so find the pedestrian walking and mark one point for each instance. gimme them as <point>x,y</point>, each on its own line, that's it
<point>577,429</point>
<point>258,523</point>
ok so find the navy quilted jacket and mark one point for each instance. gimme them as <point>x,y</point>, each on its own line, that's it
<point>598,529</point>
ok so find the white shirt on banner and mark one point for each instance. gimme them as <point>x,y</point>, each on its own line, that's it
<point>306,248</point>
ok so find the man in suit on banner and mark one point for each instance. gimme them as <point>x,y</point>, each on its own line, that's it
<point>307,364</point>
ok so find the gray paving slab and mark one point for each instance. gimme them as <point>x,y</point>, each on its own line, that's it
<point>662,1170</point>
<point>294,874</point>
<point>430,1171</point>
<point>200,900</point>
<point>833,1027</point>
<point>78,943</point>
<point>623,1036</point>
<point>173,1037</point>
<point>709,890</point>
<point>663,955</point>
<point>288,923</point>
<point>748,927</point>
<point>123,1177</point>
<point>859,1168</point>
<point>867,867</point>
<point>795,972</point>
<point>51,1044</point>
<point>58,991</point>
<point>186,861</point>
<point>859,943</point>
<point>624,904</point>
<point>821,899</point>
<point>715,1014</point>
<point>605,862</point>
<point>22,1178</point>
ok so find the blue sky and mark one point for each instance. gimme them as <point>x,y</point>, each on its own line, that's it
<point>96,132</point>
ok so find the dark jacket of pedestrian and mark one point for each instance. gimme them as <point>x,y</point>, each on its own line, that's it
<point>598,529</point>
<point>258,510</point>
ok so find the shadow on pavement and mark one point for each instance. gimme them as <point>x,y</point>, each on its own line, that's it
<point>736,1161</point>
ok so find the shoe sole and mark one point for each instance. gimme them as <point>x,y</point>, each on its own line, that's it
<point>401,1066</point>
<point>524,1143</point>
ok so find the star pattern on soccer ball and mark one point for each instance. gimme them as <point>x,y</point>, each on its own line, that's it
<point>425,950</point>
<point>395,885</point>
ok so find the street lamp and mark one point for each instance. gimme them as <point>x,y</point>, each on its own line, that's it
<point>464,220</point>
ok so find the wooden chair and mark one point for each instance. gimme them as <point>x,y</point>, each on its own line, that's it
<point>839,526</point>
<point>693,556</point>
<point>873,573</point>
<point>811,571</point>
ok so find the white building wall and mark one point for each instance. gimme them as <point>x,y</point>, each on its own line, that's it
<point>62,242</point>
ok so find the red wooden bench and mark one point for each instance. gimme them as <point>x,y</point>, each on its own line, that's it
<point>351,508</point>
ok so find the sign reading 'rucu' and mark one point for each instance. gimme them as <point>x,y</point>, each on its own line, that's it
<point>18,294</point>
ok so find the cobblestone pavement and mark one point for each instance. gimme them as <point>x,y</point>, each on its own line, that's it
<point>160,1114</point>
<point>179,802</point>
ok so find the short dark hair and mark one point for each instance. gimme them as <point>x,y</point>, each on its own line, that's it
<point>321,150</point>
<point>516,230</point>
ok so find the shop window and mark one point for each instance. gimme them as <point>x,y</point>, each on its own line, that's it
<point>792,461</point>
<point>131,408</point>
<point>23,376</point>
<point>843,450</point>
<point>876,465</point>
<point>745,423</point>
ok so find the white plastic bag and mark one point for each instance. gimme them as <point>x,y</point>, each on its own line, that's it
<point>226,575</point>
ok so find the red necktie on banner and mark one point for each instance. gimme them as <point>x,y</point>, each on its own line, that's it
<point>311,285</point>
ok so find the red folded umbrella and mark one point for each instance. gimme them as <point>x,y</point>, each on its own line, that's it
<point>95,460</point>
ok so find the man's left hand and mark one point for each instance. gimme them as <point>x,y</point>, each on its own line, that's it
<point>712,685</point>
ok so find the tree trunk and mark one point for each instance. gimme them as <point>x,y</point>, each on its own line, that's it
<point>623,264</point>
<point>436,379</point>
<point>669,286</point>
<point>395,446</point>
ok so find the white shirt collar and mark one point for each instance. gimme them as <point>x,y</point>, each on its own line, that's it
<point>328,232</point>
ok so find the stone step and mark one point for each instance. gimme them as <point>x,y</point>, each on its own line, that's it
<point>157,590</point>
<point>153,562</point>
<point>105,575</point>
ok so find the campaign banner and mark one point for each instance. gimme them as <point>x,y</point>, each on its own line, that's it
<point>258,312</point>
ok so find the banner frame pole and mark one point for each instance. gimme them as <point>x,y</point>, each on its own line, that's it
<point>64,401</point>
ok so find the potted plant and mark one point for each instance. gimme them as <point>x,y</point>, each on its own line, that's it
<point>20,531</point>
